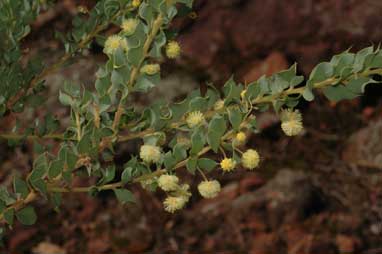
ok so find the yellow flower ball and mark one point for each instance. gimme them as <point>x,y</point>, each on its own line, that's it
<point>227,164</point>
<point>242,94</point>
<point>150,153</point>
<point>209,189</point>
<point>291,122</point>
<point>168,182</point>
<point>173,49</point>
<point>219,105</point>
<point>250,159</point>
<point>172,204</point>
<point>150,69</point>
<point>292,128</point>
<point>129,25</point>
<point>194,119</point>
<point>112,43</point>
<point>136,3</point>
<point>240,137</point>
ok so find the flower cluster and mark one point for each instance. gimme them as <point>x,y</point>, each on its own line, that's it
<point>178,195</point>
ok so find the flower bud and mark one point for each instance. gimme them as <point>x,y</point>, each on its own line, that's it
<point>219,105</point>
<point>136,3</point>
<point>240,137</point>
<point>150,69</point>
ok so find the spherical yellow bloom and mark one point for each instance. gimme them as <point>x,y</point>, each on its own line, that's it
<point>150,69</point>
<point>172,49</point>
<point>136,3</point>
<point>194,119</point>
<point>292,128</point>
<point>150,153</point>
<point>227,164</point>
<point>171,204</point>
<point>113,42</point>
<point>129,25</point>
<point>219,105</point>
<point>209,189</point>
<point>168,182</point>
<point>240,137</point>
<point>291,122</point>
<point>250,159</point>
<point>242,94</point>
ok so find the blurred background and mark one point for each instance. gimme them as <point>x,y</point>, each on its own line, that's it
<point>316,193</point>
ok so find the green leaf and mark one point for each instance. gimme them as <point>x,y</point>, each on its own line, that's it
<point>40,168</point>
<point>169,160</point>
<point>9,215</point>
<point>216,130</point>
<point>127,174</point>
<point>119,59</point>
<point>85,144</point>
<point>102,85</point>
<point>308,94</point>
<point>27,216</point>
<point>191,165</point>
<point>109,175</point>
<point>342,61</point>
<point>179,152</point>
<point>56,198</point>
<point>235,117</point>
<point>4,196</point>
<point>20,186</point>
<point>146,12</point>
<point>197,141</point>
<point>198,104</point>
<point>40,185</point>
<point>206,164</point>
<point>55,168</point>
<point>231,91</point>
<point>358,85</point>
<point>124,196</point>
<point>338,93</point>
<point>321,72</point>
<point>360,58</point>
<point>65,99</point>
<point>253,90</point>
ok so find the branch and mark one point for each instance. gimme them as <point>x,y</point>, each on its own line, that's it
<point>37,79</point>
